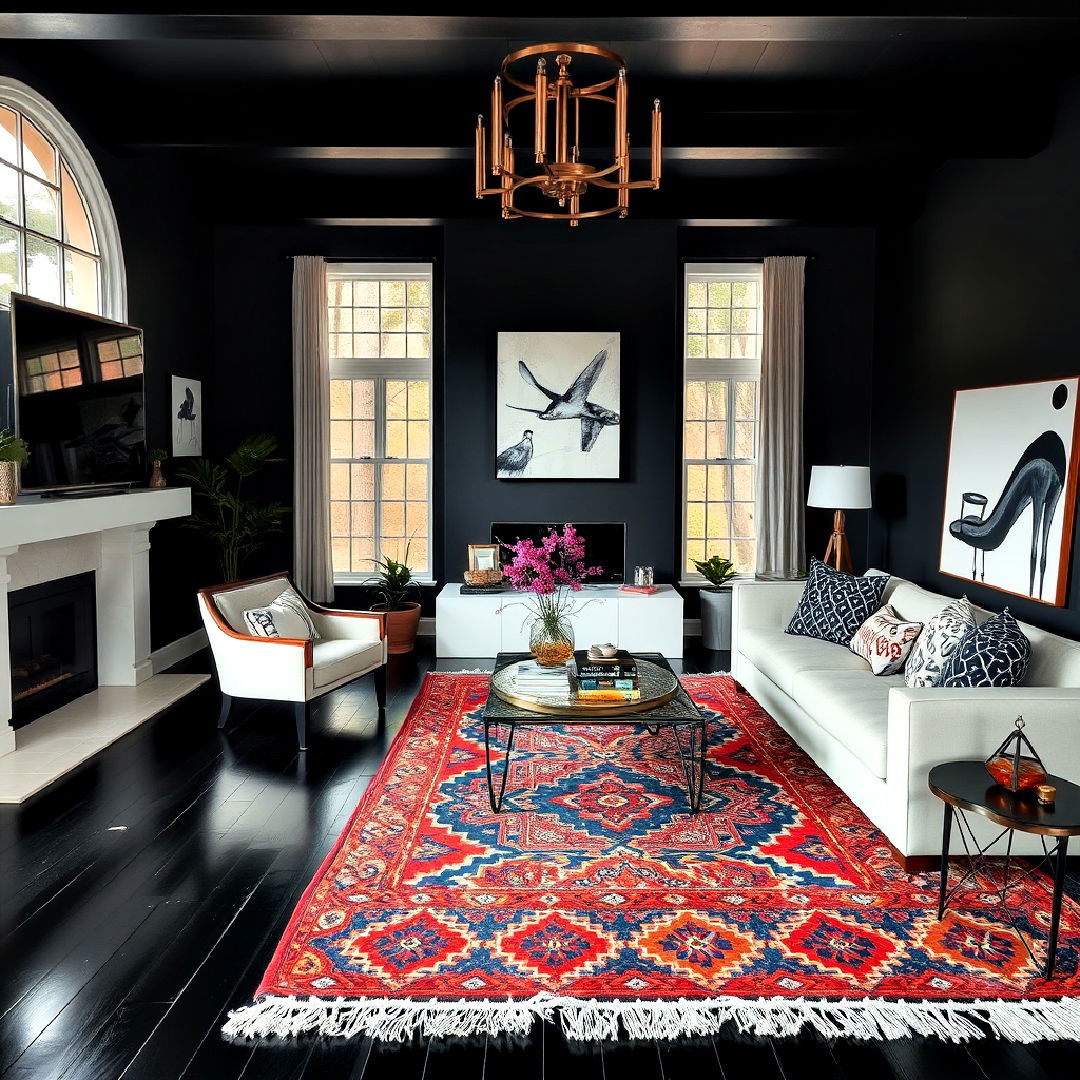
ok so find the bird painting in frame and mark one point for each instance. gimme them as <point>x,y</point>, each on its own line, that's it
<point>515,459</point>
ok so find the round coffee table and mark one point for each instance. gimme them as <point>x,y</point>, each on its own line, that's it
<point>664,703</point>
<point>966,787</point>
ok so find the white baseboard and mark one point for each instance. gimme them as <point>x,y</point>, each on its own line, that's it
<point>177,650</point>
<point>691,627</point>
<point>426,627</point>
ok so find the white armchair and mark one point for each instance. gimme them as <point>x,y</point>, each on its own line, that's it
<point>351,644</point>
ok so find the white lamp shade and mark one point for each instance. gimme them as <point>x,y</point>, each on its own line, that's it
<point>840,487</point>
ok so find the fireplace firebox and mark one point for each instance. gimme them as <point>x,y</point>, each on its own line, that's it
<point>53,629</point>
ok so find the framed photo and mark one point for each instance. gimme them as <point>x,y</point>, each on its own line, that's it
<point>484,557</point>
<point>1010,493</point>
<point>186,417</point>
<point>557,406</point>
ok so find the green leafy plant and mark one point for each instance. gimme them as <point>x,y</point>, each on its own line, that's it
<point>716,571</point>
<point>12,448</point>
<point>237,525</point>
<point>392,581</point>
<point>159,455</point>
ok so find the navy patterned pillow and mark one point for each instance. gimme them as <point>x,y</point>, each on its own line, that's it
<point>834,605</point>
<point>994,654</point>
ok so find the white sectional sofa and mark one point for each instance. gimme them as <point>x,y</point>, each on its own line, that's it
<point>877,738</point>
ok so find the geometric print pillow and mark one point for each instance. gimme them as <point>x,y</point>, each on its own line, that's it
<point>994,654</point>
<point>285,617</point>
<point>885,640</point>
<point>937,643</point>
<point>834,605</point>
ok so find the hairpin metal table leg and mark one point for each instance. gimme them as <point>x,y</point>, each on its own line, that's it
<point>946,837</point>
<point>1055,911</point>
<point>496,800</point>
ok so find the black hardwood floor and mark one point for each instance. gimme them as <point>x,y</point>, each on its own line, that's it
<point>141,897</point>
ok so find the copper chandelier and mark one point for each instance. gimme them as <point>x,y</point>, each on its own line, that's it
<point>560,174</point>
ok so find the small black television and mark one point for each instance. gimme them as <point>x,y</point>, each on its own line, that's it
<point>75,394</point>
<point>605,543</point>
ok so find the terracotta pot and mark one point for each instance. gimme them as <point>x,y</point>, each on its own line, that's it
<point>156,479</point>
<point>9,482</point>
<point>401,626</point>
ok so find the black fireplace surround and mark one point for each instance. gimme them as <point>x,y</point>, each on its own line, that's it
<point>53,629</point>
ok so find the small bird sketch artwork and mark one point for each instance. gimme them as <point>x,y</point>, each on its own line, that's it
<point>570,383</point>
<point>187,417</point>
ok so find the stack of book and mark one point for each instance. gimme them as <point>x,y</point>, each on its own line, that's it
<point>609,680</point>
<point>532,680</point>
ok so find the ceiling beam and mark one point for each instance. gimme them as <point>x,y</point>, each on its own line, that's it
<point>448,28</point>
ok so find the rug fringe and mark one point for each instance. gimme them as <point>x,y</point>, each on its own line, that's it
<point>590,1021</point>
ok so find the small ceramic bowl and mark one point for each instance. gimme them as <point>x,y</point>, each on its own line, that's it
<point>607,650</point>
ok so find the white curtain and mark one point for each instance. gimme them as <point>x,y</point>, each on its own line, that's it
<point>780,496</point>
<point>312,568</point>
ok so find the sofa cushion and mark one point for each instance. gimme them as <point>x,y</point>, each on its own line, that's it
<point>938,642</point>
<point>338,659</point>
<point>853,707</point>
<point>885,640</point>
<point>286,616</point>
<point>834,605</point>
<point>994,654</point>
<point>780,656</point>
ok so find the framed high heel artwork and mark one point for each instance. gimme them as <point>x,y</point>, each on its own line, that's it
<point>1010,494</point>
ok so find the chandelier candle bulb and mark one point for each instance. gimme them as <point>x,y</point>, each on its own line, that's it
<point>479,157</point>
<point>507,173</point>
<point>657,151</point>
<point>541,109</point>
<point>496,126</point>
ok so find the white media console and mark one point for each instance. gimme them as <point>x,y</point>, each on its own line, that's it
<point>481,626</point>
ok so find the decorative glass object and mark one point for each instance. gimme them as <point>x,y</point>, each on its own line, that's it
<point>1013,769</point>
<point>551,639</point>
<point>643,575</point>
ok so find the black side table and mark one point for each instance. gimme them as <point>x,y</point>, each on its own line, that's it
<point>967,786</point>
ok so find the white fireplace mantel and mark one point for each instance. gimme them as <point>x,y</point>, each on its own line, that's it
<point>43,539</point>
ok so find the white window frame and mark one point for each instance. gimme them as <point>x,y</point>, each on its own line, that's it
<point>696,369</point>
<point>112,273</point>
<point>380,371</point>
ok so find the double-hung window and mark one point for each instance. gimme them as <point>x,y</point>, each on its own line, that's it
<point>380,335</point>
<point>722,366</point>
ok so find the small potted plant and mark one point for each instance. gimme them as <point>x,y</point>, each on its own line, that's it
<point>14,453</point>
<point>716,602</point>
<point>156,458</point>
<point>391,583</point>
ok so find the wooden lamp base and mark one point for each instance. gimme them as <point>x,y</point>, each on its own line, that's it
<point>838,553</point>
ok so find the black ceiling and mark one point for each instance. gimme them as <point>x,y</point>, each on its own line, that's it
<point>792,118</point>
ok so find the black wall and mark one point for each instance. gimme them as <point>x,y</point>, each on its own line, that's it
<point>980,290</point>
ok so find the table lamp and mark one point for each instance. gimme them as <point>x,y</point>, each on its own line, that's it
<point>839,488</point>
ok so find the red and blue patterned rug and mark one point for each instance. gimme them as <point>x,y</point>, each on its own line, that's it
<point>595,897</point>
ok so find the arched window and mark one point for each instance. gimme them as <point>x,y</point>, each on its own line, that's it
<point>58,235</point>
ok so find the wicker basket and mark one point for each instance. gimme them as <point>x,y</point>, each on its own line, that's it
<point>483,577</point>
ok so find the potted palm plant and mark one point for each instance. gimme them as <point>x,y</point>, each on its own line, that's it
<point>13,455</point>
<point>392,582</point>
<point>716,602</point>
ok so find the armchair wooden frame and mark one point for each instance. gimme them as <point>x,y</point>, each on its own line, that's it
<point>301,709</point>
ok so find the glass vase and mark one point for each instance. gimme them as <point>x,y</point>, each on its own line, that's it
<point>551,641</point>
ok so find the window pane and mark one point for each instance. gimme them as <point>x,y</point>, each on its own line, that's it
<point>416,481</point>
<point>745,400</point>
<point>742,519</point>
<point>416,519</point>
<point>340,346</point>
<point>340,399</point>
<point>744,345</point>
<point>392,320</point>
<point>9,136</point>
<point>696,322</point>
<point>745,556</point>
<point>719,346</point>
<point>717,404</point>
<point>43,269</point>
<point>719,521</point>
<point>744,482</point>
<point>744,439</point>
<point>695,482</point>
<point>744,294</point>
<point>719,321</point>
<point>695,550</point>
<point>363,403</point>
<point>393,519</point>
<point>392,293</point>
<point>393,482</point>
<point>363,555</point>
<point>392,345</point>
<point>716,443</point>
<point>9,194</point>
<point>418,557</point>
<point>419,293</point>
<point>366,346</point>
<point>695,521</point>
<point>340,439</point>
<point>395,439</point>
<point>81,282</point>
<point>363,481</point>
<point>418,346</point>
<point>366,293</point>
<point>744,321</point>
<point>695,294</point>
<point>365,320</point>
<point>396,404</point>
<point>42,208</point>
<point>339,518</point>
<point>339,292</point>
<point>419,404</point>
<point>418,439</point>
<point>339,481</point>
<point>719,294</point>
<point>419,319</point>
<point>341,320</point>
<point>695,439</point>
<point>363,438</point>
<point>77,228</point>
<point>39,155</point>
<point>695,346</point>
<point>339,554</point>
<point>719,481</point>
<point>10,264</point>
<point>363,519</point>
<point>695,401</point>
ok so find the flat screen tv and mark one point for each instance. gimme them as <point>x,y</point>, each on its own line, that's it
<point>605,543</point>
<point>77,396</point>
